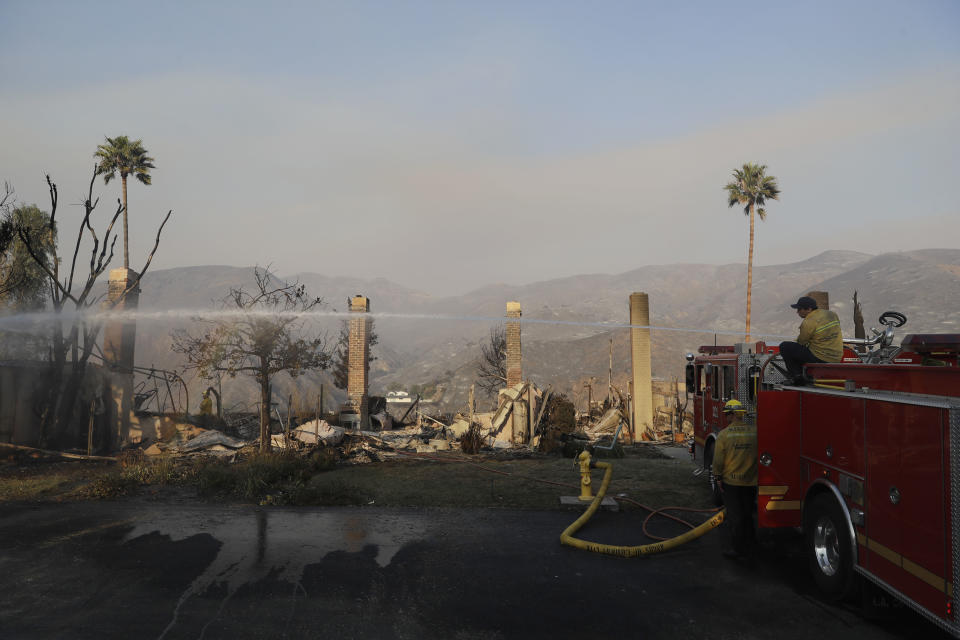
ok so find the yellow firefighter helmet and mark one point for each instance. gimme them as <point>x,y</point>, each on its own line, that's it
<point>733,406</point>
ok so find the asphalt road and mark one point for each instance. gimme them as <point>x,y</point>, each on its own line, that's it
<point>147,570</point>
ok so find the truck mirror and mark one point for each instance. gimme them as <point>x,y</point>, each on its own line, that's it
<point>691,376</point>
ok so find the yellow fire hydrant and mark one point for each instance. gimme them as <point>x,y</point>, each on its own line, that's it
<point>586,490</point>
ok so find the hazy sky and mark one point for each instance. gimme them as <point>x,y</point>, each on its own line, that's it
<point>447,145</point>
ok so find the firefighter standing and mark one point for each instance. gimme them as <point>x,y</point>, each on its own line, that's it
<point>735,467</point>
<point>206,404</point>
<point>820,339</point>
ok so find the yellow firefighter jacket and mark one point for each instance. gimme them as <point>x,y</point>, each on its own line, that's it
<point>206,406</point>
<point>735,454</point>
<point>820,332</point>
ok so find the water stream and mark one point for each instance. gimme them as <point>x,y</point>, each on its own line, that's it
<point>30,321</point>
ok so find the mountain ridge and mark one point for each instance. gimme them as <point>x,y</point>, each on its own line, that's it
<point>442,343</point>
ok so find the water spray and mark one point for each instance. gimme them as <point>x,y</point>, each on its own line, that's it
<point>30,320</point>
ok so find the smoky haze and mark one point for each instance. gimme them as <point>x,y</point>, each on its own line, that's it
<point>450,147</point>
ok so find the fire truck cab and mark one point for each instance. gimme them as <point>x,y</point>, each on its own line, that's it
<point>865,460</point>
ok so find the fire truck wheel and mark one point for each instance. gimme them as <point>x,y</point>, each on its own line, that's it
<point>714,484</point>
<point>828,548</point>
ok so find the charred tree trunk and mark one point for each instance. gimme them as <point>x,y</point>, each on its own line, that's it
<point>264,378</point>
<point>63,396</point>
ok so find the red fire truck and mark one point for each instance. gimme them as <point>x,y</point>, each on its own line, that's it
<point>865,459</point>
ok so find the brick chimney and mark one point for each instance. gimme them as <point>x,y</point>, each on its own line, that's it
<point>514,355</point>
<point>119,338</point>
<point>640,359</point>
<point>358,353</point>
<point>822,298</point>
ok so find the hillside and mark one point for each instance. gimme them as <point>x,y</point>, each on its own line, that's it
<point>442,341</point>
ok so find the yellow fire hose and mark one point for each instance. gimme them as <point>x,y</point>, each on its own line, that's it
<point>625,551</point>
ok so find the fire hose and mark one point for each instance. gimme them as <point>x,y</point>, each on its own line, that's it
<point>623,551</point>
<point>628,551</point>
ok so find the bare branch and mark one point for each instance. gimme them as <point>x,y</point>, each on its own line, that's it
<point>88,207</point>
<point>146,266</point>
<point>101,265</point>
<point>7,195</point>
<point>52,230</point>
<point>492,370</point>
<point>52,187</point>
<point>24,235</point>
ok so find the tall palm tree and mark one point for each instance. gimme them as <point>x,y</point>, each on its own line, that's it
<point>124,156</point>
<point>751,187</point>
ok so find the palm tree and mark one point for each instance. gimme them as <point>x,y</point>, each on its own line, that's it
<point>751,187</point>
<point>126,157</point>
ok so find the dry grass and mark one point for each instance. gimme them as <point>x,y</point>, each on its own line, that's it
<point>447,480</point>
<point>475,481</point>
<point>42,482</point>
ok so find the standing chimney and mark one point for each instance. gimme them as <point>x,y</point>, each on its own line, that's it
<point>821,297</point>
<point>358,360</point>
<point>640,359</point>
<point>514,356</point>
<point>119,338</point>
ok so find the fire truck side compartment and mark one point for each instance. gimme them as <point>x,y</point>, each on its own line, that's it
<point>905,530</point>
<point>780,486</point>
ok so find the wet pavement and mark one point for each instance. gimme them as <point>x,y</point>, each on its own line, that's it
<point>134,569</point>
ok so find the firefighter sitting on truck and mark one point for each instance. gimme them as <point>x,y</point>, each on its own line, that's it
<point>735,467</point>
<point>820,339</point>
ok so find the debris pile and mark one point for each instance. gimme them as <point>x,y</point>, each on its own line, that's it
<point>527,419</point>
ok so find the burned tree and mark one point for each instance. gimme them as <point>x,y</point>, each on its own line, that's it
<point>75,331</point>
<point>262,335</point>
<point>492,370</point>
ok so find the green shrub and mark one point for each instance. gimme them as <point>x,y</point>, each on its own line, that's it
<point>323,458</point>
<point>150,471</point>
<point>257,478</point>
<point>214,477</point>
